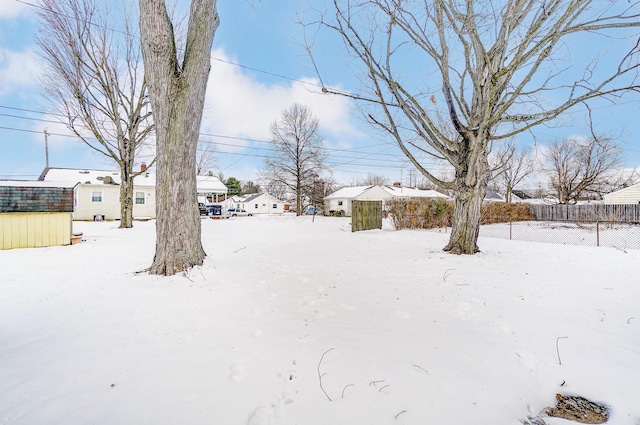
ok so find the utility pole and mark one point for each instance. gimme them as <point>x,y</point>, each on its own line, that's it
<point>46,148</point>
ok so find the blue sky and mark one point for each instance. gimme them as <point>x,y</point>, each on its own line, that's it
<point>242,101</point>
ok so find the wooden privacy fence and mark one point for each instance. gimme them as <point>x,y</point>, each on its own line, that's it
<point>366,215</point>
<point>588,213</point>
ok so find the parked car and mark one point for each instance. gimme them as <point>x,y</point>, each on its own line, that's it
<point>215,209</point>
<point>202,208</point>
<point>238,212</point>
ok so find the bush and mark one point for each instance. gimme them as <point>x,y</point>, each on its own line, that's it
<point>500,212</point>
<point>420,213</point>
<point>434,213</point>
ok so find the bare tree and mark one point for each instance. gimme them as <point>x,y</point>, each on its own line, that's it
<point>581,166</point>
<point>177,87</point>
<point>512,165</point>
<point>205,158</point>
<point>371,180</point>
<point>94,77</point>
<point>299,154</point>
<point>250,187</point>
<point>499,70</point>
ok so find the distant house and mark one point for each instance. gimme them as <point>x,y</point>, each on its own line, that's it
<point>35,214</point>
<point>97,192</point>
<point>258,203</point>
<point>341,200</point>
<point>628,195</point>
<point>493,196</point>
<point>211,190</point>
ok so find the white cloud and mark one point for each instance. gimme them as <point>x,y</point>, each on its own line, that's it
<point>18,70</point>
<point>12,9</point>
<point>237,105</point>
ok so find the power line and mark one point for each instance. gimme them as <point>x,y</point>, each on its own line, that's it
<point>217,143</point>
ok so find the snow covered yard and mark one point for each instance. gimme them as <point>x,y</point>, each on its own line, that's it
<point>287,313</point>
<point>617,235</point>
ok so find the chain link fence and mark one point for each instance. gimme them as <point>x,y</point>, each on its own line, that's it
<point>615,226</point>
<point>611,234</point>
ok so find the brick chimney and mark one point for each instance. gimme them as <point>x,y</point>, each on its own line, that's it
<point>143,167</point>
<point>396,184</point>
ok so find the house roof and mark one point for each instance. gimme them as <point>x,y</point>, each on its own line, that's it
<point>393,191</point>
<point>493,196</point>
<point>97,177</point>
<point>252,196</point>
<point>206,184</point>
<point>412,192</point>
<point>210,184</point>
<point>631,188</point>
<point>348,192</point>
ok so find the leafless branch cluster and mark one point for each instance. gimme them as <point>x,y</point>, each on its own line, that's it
<point>299,156</point>
<point>94,76</point>
<point>446,78</point>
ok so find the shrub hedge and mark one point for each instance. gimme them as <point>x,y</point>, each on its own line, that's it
<point>432,213</point>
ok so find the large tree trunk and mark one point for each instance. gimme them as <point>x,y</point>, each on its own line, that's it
<point>471,188</point>
<point>177,98</point>
<point>126,198</point>
<point>178,233</point>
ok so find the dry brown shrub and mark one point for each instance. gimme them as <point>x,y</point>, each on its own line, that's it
<point>417,213</point>
<point>433,213</point>
<point>501,212</point>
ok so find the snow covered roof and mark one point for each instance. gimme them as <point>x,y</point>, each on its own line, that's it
<point>36,183</point>
<point>85,176</point>
<point>73,176</point>
<point>210,184</point>
<point>412,192</point>
<point>348,192</point>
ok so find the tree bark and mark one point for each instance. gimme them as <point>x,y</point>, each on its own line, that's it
<point>471,187</point>
<point>177,98</point>
<point>126,198</point>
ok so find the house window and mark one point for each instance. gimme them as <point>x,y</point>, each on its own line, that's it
<point>275,206</point>
<point>256,206</point>
<point>339,203</point>
<point>96,196</point>
<point>139,198</point>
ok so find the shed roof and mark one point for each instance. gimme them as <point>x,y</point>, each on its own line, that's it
<point>36,183</point>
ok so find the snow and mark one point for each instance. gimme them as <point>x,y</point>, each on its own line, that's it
<point>284,309</point>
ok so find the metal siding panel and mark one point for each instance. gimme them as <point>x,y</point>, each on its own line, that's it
<point>37,230</point>
<point>5,225</point>
<point>31,220</point>
<point>15,232</point>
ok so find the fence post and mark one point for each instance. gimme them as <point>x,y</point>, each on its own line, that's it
<point>597,233</point>
<point>510,230</point>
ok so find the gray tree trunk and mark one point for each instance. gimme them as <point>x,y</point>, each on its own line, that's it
<point>471,188</point>
<point>126,198</point>
<point>177,98</point>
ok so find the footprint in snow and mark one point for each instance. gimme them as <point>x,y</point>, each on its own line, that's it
<point>237,372</point>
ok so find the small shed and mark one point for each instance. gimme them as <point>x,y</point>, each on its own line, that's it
<point>35,214</point>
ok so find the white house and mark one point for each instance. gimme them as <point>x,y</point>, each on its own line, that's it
<point>628,195</point>
<point>97,193</point>
<point>341,200</point>
<point>258,203</point>
<point>210,189</point>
